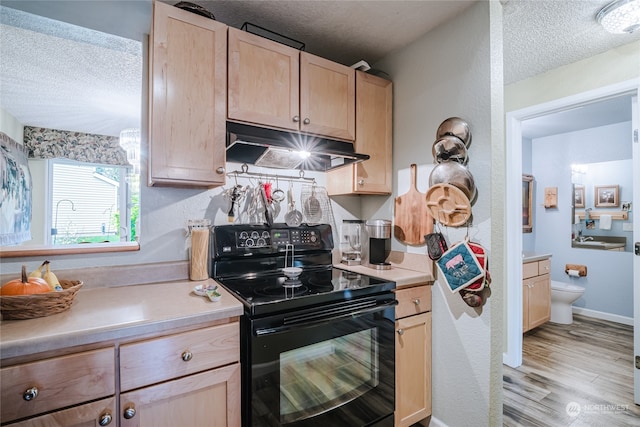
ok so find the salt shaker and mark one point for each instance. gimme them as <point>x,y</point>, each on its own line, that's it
<point>199,230</point>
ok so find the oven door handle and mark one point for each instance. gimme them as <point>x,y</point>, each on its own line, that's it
<point>325,319</point>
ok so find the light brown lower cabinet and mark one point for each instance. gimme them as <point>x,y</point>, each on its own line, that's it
<point>185,378</point>
<point>34,388</point>
<point>413,355</point>
<point>94,414</point>
<point>536,294</point>
<point>210,398</point>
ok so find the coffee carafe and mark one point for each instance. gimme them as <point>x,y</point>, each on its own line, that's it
<point>351,242</point>
<point>379,247</point>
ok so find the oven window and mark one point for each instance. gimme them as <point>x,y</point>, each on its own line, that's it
<point>325,375</point>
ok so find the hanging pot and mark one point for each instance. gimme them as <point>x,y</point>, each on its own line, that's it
<point>449,147</point>
<point>457,127</point>
<point>454,173</point>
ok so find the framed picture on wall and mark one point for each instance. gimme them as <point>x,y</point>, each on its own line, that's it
<point>527,203</point>
<point>607,196</point>
<point>578,196</point>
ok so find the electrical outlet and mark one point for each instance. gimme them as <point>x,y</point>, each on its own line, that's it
<point>627,226</point>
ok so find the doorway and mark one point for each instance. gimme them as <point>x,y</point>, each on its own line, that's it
<point>514,124</point>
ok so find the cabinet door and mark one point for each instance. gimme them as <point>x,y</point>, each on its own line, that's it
<point>263,81</point>
<point>374,136</point>
<point>94,414</point>
<point>187,90</point>
<point>413,369</point>
<point>327,97</point>
<point>539,301</point>
<point>525,304</point>
<point>210,398</point>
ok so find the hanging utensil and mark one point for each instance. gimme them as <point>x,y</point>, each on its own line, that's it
<point>311,207</point>
<point>293,218</point>
<point>267,212</point>
<point>235,196</point>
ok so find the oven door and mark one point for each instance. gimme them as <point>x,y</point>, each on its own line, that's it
<point>328,366</point>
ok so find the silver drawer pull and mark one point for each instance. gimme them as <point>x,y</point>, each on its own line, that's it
<point>105,419</point>
<point>306,121</point>
<point>187,355</point>
<point>296,119</point>
<point>129,413</point>
<point>400,331</point>
<point>416,301</point>
<point>30,394</point>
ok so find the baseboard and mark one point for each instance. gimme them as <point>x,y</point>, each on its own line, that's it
<point>604,316</point>
<point>436,422</point>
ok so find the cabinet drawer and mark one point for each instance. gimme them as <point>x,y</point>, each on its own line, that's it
<point>529,269</point>
<point>413,301</point>
<point>60,382</point>
<point>544,267</point>
<point>160,359</point>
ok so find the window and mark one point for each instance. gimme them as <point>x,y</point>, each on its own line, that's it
<point>91,203</point>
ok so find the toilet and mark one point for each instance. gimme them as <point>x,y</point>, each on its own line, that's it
<point>562,297</point>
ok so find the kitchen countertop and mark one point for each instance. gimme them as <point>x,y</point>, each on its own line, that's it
<point>528,256</point>
<point>406,269</point>
<point>103,314</point>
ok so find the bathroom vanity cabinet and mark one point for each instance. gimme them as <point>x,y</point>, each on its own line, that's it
<point>536,293</point>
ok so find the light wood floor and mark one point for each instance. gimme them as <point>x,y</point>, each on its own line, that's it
<point>587,365</point>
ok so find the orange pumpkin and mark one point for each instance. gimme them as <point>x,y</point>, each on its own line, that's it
<point>25,285</point>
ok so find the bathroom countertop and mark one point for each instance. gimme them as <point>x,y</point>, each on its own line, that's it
<point>529,256</point>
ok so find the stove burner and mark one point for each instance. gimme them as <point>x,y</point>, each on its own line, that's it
<point>285,289</point>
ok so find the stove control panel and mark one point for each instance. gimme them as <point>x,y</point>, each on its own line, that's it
<point>240,239</point>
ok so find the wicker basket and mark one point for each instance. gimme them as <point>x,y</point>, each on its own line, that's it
<point>18,307</point>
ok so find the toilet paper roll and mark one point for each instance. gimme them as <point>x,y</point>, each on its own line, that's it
<point>574,273</point>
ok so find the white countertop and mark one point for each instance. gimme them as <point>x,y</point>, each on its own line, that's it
<point>528,256</point>
<point>103,314</point>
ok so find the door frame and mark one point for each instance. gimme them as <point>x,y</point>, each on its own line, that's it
<point>512,354</point>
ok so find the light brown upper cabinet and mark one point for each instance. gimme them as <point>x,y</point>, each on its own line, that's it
<point>187,99</point>
<point>374,136</point>
<point>277,86</point>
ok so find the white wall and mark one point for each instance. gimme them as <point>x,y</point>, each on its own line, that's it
<point>609,282</point>
<point>431,84</point>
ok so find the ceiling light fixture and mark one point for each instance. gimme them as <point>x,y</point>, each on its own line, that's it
<point>620,16</point>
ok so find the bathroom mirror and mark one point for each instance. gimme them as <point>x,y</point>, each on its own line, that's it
<point>590,204</point>
<point>77,47</point>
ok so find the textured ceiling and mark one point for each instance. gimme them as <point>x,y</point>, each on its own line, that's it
<point>538,36</point>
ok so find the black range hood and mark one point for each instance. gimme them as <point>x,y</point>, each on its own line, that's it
<point>278,149</point>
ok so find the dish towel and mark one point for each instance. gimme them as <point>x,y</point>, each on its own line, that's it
<point>605,222</point>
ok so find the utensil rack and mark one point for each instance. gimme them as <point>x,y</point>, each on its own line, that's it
<point>244,172</point>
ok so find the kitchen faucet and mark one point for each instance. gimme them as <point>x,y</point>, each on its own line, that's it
<point>584,239</point>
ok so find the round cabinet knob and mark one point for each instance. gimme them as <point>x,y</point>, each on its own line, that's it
<point>30,394</point>
<point>296,119</point>
<point>416,301</point>
<point>187,355</point>
<point>361,182</point>
<point>306,121</point>
<point>129,413</point>
<point>220,170</point>
<point>105,419</point>
<point>400,331</point>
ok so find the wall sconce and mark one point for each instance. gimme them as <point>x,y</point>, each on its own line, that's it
<point>130,142</point>
<point>620,16</point>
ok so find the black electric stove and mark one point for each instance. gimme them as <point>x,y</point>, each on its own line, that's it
<point>248,260</point>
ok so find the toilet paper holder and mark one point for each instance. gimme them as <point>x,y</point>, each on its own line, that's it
<point>570,269</point>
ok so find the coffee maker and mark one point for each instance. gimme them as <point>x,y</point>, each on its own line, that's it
<point>379,247</point>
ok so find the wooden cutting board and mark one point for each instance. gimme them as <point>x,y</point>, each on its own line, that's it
<point>411,217</point>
